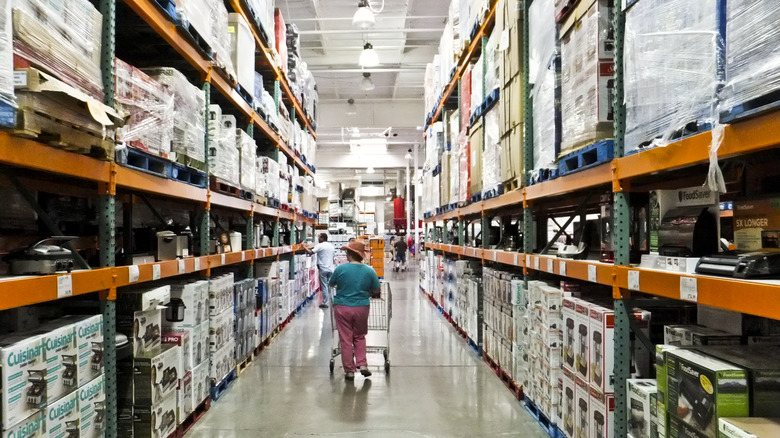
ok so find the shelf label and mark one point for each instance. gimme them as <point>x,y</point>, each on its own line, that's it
<point>222,258</point>
<point>516,259</point>
<point>257,253</point>
<point>536,263</point>
<point>633,280</point>
<point>182,266</point>
<point>527,261</point>
<point>64,286</point>
<point>156,272</point>
<point>197,264</point>
<point>243,256</point>
<point>495,255</point>
<point>689,289</point>
<point>550,267</point>
<point>562,268</point>
<point>592,277</point>
<point>133,273</point>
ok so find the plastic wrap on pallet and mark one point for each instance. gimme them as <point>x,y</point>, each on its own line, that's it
<point>280,38</point>
<point>242,49</point>
<point>220,41</point>
<point>224,155</point>
<point>465,98</point>
<point>188,112</point>
<point>62,38</point>
<point>6,56</point>
<point>263,11</point>
<point>542,59</point>
<point>491,155</point>
<point>464,166</point>
<point>267,177</point>
<point>493,58</point>
<point>665,93</point>
<point>446,53</point>
<point>151,109</point>
<point>429,97</point>
<point>587,75</point>
<point>455,174</point>
<point>434,144</point>
<point>248,165</point>
<point>464,20</point>
<point>753,51</point>
<point>197,14</point>
<point>477,90</point>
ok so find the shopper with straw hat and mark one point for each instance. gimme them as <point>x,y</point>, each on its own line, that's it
<point>355,283</point>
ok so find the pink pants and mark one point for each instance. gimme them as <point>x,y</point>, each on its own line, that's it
<point>352,324</point>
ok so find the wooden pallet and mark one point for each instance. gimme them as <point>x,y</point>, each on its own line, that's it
<point>512,184</point>
<point>193,418</point>
<point>219,186</point>
<point>244,364</point>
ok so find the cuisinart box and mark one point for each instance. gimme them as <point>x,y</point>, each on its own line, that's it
<point>185,396</point>
<point>92,404</point>
<point>156,375</point>
<point>757,224</point>
<point>221,329</point>
<point>220,294</point>
<point>641,398</point>
<point>749,427</point>
<point>701,389</point>
<point>201,384</point>
<point>194,295</point>
<point>33,426</point>
<point>89,337</point>
<point>63,417</point>
<point>62,357</point>
<point>24,377</point>
<point>222,362</point>
<point>157,421</point>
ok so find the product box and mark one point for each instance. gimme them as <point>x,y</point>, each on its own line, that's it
<point>601,350</point>
<point>140,299</point>
<point>749,427</point>
<point>640,402</point>
<point>157,421</point>
<point>200,344</point>
<point>602,409</point>
<point>156,375</point>
<point>663,201</point>
<point>694,335</point>
<point>89,336</point>
<point>92,405</point>
<point>33,426</point>
<point>763,367</point>
<point>62,359</point>
<point>757,224</point>
<point>661,352</point>
<point>194,296</point>
<point>222,362</point>
<point>582,343</point>
<point>570,335</point>
<point>143,329</point>
<point>201,384</point>
<point>476,141</point>
<point>63,416</point>
<point>221,329</point>
<point>24,377</point>
<point>242,51</point>
<point>183,338</point>
<point>701,389</point>
<point>569,411</point>
<point>582,408</point>
<point>220,294</point>
<point>185,394</point>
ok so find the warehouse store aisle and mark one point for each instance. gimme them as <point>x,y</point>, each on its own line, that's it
<point>437,386</point>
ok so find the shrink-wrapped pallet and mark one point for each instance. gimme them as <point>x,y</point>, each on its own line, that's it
<point>150,107</point>
<point>6,55</point>
<point>224,156</point>
<point>491,155</point>
<point>248,165</point>
<point>189,103</point>
<point>267,177</point>
<point>477,84</point>
<point>542,77</point>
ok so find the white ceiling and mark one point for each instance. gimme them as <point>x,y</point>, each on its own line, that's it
<point>406,37</point>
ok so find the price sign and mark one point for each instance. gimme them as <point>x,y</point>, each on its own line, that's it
<point>562,268</point>
<point>243,256</point>
<point>536,263</point>
<point>592,277</point>
<point>222,259</point>
<point>550,267</point>
<point>64,286</point>
<point>197,264</point>
<point>182,266</point>
<point>156,272</point>
<point>495,256</point>
<point>527,261</point>
<point>689,289</point>
<point>516,259</point>
<point>633,280</point>
<point>133,273</point>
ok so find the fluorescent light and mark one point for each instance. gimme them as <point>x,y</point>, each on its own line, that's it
<point>364,17</point>
<point>408,155</point>
<point>370,170</point>
<point>351,108</point>
<point>368,57</point>
<point>366,84</point>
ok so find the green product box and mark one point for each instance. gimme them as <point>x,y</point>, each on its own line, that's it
<point>700,389</point>
<point>680,429</point>
<point>660,372</point>
<point>749,427</point>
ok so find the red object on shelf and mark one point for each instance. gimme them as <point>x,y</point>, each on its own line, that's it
<point>465,99</point>
<point>280,36</point>
<point>399,212</point>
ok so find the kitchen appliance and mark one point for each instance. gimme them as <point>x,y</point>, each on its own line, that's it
<point>36,394</point>
<point>174,310</point>
<point>761,264</point>
<point>72,429</point>
<point>688,232</point>
<point>70,367</point>
<point>638,228</point>
<point>585,237</point>
<point>97,356</point>
<point>597,347</point>
<point>693,398</point>
<point>569,358</point>
<point>42,259</point>
<point>100,415</point>
<point>265,241</point>
<point>582,364</point>
<point>636,418</point>
<point>235,241</point>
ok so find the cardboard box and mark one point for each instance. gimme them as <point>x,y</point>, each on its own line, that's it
<point>156,375</point>
<point>221,329</point>
<point>749,427</point>
<point>194,295</point>
<point>223,362</point>
<point>24,377</point>
<point>33,426</point>
<point>476,141</point>
<point>63,416</point>
<point>89,337</point>
<point>694,335</point>
<point>200,344</point>
<point>701,389</point>
<point>582,408</point>
<point>143,330</point>
<point>92,404</point>
<point>757,224</point>
<point>201,384</point>
<point>601,349</point>
<point>640,402</point>
<point>242,51</point>
<point>141,299</point>
<point>156,421</point>
<point>582,342</point>
<point>185,395</point>
<point>662,392</point>
<point>569,410</point>
<point>220,294</point>
<point>182,338</point>
<point>662,201</point>
<point>602,408</point>
<point>62,359</point>
<point>570,337</point>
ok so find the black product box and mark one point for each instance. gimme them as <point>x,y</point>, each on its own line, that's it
<point>158,421</point>
<point>156,375</point>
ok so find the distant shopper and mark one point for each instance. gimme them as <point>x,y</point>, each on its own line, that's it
<point>400,254</point>
<point>355,283</point>
<point>325,253</point>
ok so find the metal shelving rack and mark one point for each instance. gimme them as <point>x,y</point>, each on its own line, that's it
<point>106,177</point>
<point>744,137</point>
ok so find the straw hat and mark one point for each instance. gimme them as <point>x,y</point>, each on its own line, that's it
<point>357,247</point>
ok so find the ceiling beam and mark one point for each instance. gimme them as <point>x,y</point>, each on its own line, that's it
<point>369,32</point>
<point>324,69</point>
<point>398,17</point>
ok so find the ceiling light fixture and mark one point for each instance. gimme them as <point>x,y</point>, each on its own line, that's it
<point>408,155</point>
<point>370,170</point>
<point>351,108</point>
<point>366,84</point>
<point>368,57</point>
<point>364,16</point>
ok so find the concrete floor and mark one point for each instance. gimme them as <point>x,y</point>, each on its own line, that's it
<point>437,386</point>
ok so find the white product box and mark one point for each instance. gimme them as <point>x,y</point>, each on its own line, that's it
<point>582,408</point>
<point>747,427</point>
<point>640,403</point>
<point>24,377</point>
<point>552,298</point>
<point>221,329</point>
<point>242,51</point>
<point>92,404</point>
<point>601,350</point>
<point>89,336</point>
<point>220,294</point>
<point>569,402</point>
<point>143,330</point>
<point>602,408</point>
<point>62,359</point>
<point>33,426</point>
<point>143,298</point>
<point>582,342</point>
<point>570,336</point>
<point>194,296</point>
<point>185,395</point>
<point>63,416</point>
<point>222,362</point>
<point>200,344</point>
<point>201,384</point>
<point>156,375</point>
<point>157,421</point>
<point>182,338</point>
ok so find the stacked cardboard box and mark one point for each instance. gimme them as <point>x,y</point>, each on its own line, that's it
<point>248,161</point>
<point>544,66</point>
<point>224,155</point>
<point>221,338</point>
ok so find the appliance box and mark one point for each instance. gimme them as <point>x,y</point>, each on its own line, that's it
<point>570,336</point>
<point>749,427</point>
<point>142,299</point>
<point>757,224</point>
<point>182,338</point>
<point>156,375</point>
<point>582,408</point>
<point>602,408</point>
<point>62,359</point>
<point>33,426</point>
<point>201,384</point>
<point>185,394</point>
<point>63,416</point>
<point>24,377</point>
<point>582,335</point>
<point>662,384</point>
<point>640,403</point>
<point>194,295</point>
<point>156,421</point>
<point>92,404</point>
<point>568,402</point>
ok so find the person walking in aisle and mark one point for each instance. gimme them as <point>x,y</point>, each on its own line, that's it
<point>400,254</point>
<point>355,283</point>
<point>325,253</point>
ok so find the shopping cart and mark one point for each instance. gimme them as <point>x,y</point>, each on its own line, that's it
<point>379,314</point>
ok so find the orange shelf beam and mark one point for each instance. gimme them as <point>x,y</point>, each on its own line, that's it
<point>30,154</point>
<point>137,180</point>
<point>25,291</point>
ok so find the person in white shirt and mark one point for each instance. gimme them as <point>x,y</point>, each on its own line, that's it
<point>325,254</point>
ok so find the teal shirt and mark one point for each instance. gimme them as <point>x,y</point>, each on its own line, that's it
<point>353,284</point>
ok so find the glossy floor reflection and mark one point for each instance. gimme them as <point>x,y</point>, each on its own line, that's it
<point>437,386</point>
